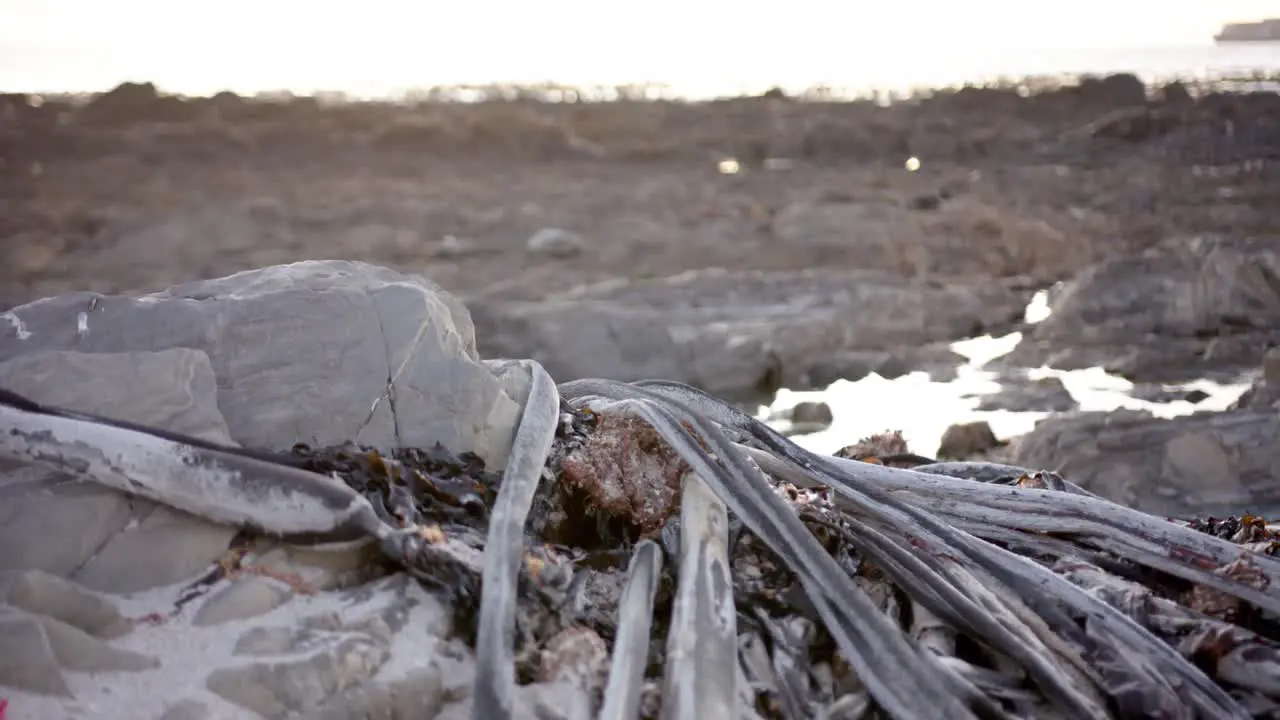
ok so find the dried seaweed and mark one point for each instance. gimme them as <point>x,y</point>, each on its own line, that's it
<point>879,585</point>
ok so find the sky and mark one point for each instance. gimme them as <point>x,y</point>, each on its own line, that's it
<point>247,45</point>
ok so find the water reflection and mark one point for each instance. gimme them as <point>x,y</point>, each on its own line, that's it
<point>923,409</point>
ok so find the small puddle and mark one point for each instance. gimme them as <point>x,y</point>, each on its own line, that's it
<point>923,409</point>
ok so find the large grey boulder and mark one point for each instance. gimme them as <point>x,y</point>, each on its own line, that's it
<point>1185,309</point>
<point>315,352</point>
<point>739,335</point>
<point>115,606</point>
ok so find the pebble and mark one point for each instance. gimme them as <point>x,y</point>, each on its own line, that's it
<point>557,243</point>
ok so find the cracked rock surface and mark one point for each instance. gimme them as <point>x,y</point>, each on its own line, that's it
<point>319,352</point>
<point>115,606</point>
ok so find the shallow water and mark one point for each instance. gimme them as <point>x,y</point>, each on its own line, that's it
<point>923,409</point>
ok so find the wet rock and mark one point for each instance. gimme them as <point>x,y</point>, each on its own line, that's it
<point>27,661</point>
<point>245,597</point>
<point>1021,395</point>
<point>1264,393</point>
<point>54,597</point>
<point>319,352</point>
<point>1158,394</point>
<point>1196,465</point>
<point>967,440</point>
<point>1178,312</point>
<point>740,335</point>
<point>556,243</point>
<point>811,416</point>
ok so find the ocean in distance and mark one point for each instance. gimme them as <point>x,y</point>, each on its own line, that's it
<point>733,71</point>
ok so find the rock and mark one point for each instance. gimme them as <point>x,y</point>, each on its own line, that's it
<point>161,546</point>
<point>27,661</point>
<point>76,650</point>
<point>967,440</point>
<point>318,352</point>
<point>178,384</point>
<point>1118,89</point>
<point>1136,124</point>
<point>556,243</point>
<point>278,688</point>
<point>740,335</point>
<point>1264,393</point>
<point>131,103</point>
<point>1195,397</point>
<point>1043,395</point>
<point>1175,313</point>
<point>49,595</point>
<point>247,597</point>
<point>290,669</point>
<point>1156,393</point>
<point>125,545</point>
<point>188,710</point>
<point>420,694</point>
<point>1175,94</point>
<point>936,359</point>
<point>812,413</point>
<point>1196,465</point>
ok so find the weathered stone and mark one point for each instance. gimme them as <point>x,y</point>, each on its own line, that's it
<point>174,389</point>
<point>557,243</point>
<point>319,567</point>
<point>1176,312</point>
<point>966,440</point>
<point>1196,465</point>
<point>740,335</point>
<point>165,547</point>
<point>315,352</point>
<point>54,597</point>
<point>77,650</point>
<point>815,413</point>
<point>936,359</point>
<point>277,688</point>
<point>1043,395</point>
<point>421,693</point>
<point>188,710</point>
<point>75,529</point>
<point>27,661</point>
<point>53,522</point>
<point>245,597</point>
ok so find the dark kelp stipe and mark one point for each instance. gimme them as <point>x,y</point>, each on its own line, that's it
<point>1049,582</point>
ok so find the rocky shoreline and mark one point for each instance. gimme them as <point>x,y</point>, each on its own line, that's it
<point>616,240</point>
<point>119,578</point>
